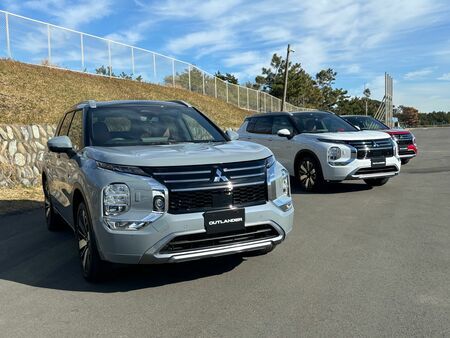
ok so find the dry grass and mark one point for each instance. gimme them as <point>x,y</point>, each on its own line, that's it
<point>20,199</point>
<point>37,94</point>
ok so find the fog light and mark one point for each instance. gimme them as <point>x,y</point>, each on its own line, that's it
<point>159,203</point>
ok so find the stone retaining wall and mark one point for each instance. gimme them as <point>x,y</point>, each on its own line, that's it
<point>21,152</point>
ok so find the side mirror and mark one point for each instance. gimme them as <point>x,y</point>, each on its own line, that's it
<point>284,133</point>
<point>232,135</point>
<point>60,144</point>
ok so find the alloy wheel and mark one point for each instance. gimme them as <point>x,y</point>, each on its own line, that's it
<point>84,237</point>
<point>307,174</point>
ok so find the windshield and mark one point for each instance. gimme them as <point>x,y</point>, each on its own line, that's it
<point>150,125</point>
<point>321,123</point>
<point>366,122</point>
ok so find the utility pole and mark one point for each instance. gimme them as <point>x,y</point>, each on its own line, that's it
<point>286,70</point>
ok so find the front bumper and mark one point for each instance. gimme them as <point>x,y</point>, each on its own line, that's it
<point>360,169</point>
<point>144,246</point>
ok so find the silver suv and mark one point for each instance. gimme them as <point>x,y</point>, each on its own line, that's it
<point>144,182</point>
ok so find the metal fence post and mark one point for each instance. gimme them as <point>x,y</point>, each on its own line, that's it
<point>173,72</point>
<point>238,90</point>
<point>203,82</point>
<point>82,51</point>
<point>248,104</point>
<point>132,61</point>
<point>189,71</point>
<point>257,100</point>
<point>226,84</point>
<point>49,45</point>
<point>8,44</point>
<point>154,66</point>
<point>109,58</point>
<point>215,87</point>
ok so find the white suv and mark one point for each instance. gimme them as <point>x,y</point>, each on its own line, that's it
<point>318,147</point>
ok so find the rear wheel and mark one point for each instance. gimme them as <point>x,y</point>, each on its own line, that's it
<point>376,182</point>
<point>405,161</point>
<point>52,219</point>
<point>309,174</point>
<point>92,266</point>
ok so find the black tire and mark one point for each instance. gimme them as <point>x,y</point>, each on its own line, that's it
<point>376,182</point>
<point>308,173</point>
<point>93,267</point>
<point>53,221</point>
<point>405,161</point>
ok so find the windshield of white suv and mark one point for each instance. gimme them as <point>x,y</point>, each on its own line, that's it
<point>150,125</point>
<point>366,122</point>
<point>321,123</point>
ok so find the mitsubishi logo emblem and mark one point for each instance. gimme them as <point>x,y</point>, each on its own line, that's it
<point>220,177</point>
<point>375,145</point>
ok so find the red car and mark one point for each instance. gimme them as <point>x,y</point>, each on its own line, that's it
<point>407,147</point>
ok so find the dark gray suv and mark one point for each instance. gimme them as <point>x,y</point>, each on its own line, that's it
<point>144,182</point>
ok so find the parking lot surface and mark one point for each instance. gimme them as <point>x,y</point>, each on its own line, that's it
<point>360,262</point>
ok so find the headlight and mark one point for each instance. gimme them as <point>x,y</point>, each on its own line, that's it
<point>116,199</point>
<point>285,187</point>
<point>334,153</point>
<point>270,161</point>
<point>121,168</point>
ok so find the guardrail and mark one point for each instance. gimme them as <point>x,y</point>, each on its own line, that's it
<point>37,42</point>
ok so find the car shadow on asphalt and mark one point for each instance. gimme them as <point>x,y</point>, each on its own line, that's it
<point>33,256</point>
<point>332,188</point>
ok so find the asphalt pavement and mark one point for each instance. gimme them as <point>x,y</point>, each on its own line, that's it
<point>360,262</point>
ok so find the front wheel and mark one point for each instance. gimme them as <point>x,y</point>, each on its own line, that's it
<point>309,174</point>
<point>52,219</point>
<point>376,182</point>
<point>405,161</point>
<point>92,266</point>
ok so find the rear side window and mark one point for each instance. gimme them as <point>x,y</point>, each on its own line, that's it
<point>76,130</point>
<point>65,124</point>
<point>260,125</point>
<point>282,122</point>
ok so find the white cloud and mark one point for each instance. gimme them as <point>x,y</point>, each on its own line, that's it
<point>444,77</point>
<point>210,40</point>
<point>70,14</point>
<point>417,74</point>
<point>244,58</point>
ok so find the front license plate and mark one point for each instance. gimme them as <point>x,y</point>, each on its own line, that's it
<point>378,162</point>
<point>224,220</point>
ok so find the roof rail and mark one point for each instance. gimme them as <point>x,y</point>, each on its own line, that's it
<point>184,103</point>
<point>91,103</point>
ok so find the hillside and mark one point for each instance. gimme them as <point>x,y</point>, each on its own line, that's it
<point>35,94</point>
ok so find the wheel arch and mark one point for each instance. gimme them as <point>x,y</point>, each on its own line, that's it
<point>303,153</point>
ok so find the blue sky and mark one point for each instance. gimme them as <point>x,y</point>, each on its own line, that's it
<point>410,39</point>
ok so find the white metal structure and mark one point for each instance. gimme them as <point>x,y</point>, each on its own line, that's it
<point>36,42</point>
<point>319,146</point>
<point>385,111</point>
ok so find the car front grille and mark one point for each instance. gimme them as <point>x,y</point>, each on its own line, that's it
<point>203,240</point>
<point>213,187</point>
<point>388,169</point>
<point>373,148</point>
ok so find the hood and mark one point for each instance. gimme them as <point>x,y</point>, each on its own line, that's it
<point>396,132</point>
<point>179,154</point>
<point>349,136</point>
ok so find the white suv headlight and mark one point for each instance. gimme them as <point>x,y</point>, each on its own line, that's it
<point>334,153</point>
<point>116,199</point>
<point>285,187</point>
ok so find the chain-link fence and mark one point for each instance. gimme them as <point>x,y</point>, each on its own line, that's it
<point>31,41</point>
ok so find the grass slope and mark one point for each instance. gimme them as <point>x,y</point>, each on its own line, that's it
<point>35,94</point>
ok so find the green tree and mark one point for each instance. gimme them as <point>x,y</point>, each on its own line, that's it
<point>227,77</point>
